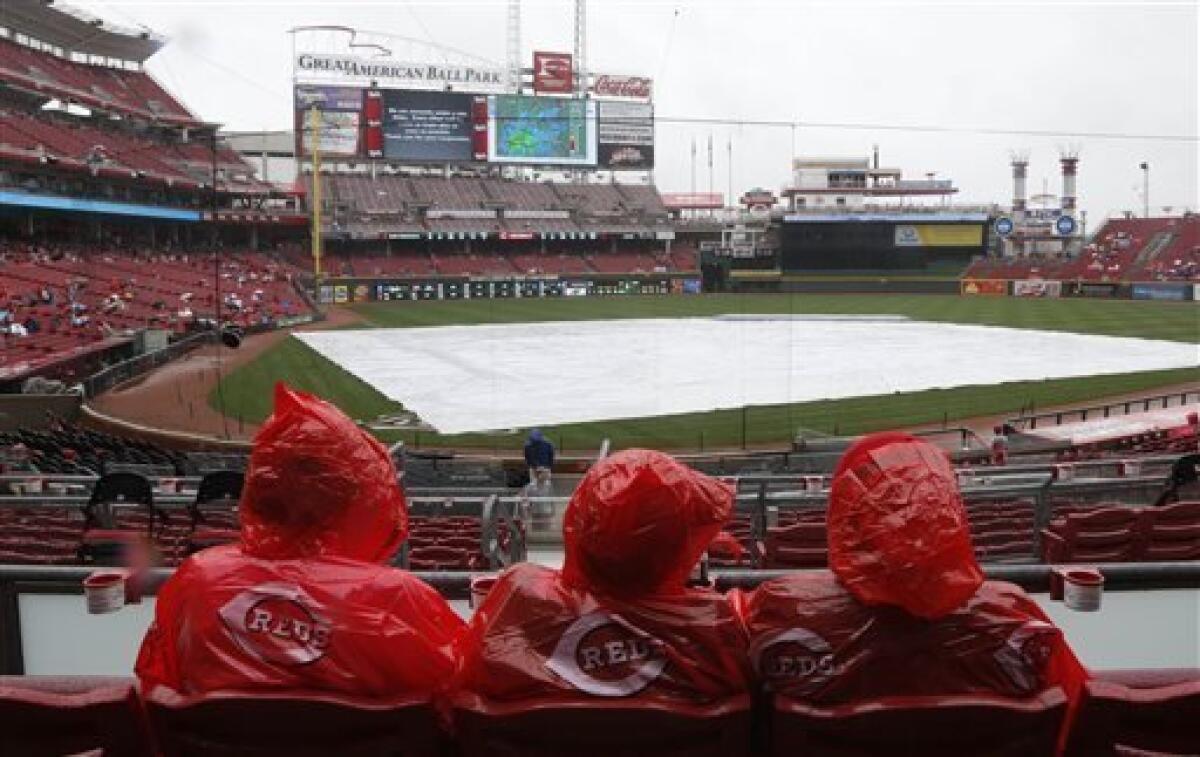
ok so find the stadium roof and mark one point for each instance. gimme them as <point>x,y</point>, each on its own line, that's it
<point>77,31</point>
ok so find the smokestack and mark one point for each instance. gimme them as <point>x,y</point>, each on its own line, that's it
<point>1070,166</point>
<point>876,148</point>
<point>1020,169</point>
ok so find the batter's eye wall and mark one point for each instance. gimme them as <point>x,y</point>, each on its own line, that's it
<point>883,245</point>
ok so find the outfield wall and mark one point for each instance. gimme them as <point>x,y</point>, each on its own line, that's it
<point>399,289</point>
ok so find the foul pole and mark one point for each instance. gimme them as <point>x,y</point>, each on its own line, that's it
<point>314,132</point>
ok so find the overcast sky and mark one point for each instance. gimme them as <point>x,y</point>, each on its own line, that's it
<point>1049,65</point>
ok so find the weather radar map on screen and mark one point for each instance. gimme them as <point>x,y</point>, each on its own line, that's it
<point>536,129</point>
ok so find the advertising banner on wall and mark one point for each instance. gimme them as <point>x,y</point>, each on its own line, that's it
<point>985,286</point>
<point>938,235</point>
<point>639,87</point>
<point>553,73</point>
<point>427,126</point>
<point>1174,292</point>
<point>339,112</point>
<point>625,132</point>
<point>1092,289</point>
<point>523,129</point>
<point>693,200</point>
<point>1037,288</point>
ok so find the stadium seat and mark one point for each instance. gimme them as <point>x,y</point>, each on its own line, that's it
<point>1140,717</point>
<point>595,728</point>
<point>1111,534</point>
<point>217,497</point>
<point>291,723</point>
<point>120,487</point>
<point>929,726</point>
<point>53,715</point>
<point>1172,532</point>
<point>802,545</point>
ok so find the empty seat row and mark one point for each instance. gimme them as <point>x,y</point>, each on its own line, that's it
<point>1118,534</point>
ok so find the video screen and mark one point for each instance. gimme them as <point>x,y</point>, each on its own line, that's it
<point>625,135</point>
<point>526,129</point>
<point>427,126</point>
<point>339,119</point>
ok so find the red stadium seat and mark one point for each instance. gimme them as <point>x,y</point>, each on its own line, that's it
<point>929,726</point>
<point>1119,719</point>
<point>293,723</point>
<point>1111,534</point>
<point>53,715</point>
<point>803,545</point>
<point>1173,532</point>
<point>603,729</point>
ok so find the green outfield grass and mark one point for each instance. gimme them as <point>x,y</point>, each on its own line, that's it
<point>247,390</point>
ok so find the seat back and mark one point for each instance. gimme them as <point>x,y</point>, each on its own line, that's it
<point>595,728</point>
<point>298,723</point>
<point>801,545</point>
<point>1109,534</point>
<point>56,715</point>
<point>112,488</point>
<point>1117,719</point>
<point>220,485</point>
<point>944,726</point>
<point>1173,532</point>
<point>122,486</point>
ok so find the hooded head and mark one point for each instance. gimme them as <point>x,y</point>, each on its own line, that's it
<point>318,485</point>
<point>898,532</point>
<point>638,523</point>
<point>535,435</point>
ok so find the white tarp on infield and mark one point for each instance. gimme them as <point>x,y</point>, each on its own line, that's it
<point>476,378</point>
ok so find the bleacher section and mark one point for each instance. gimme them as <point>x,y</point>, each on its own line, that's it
<point>67,299</point>
<point>117,151</point>
<point>132,93</point>
<point>1123,250</point>
<point>489,204</point>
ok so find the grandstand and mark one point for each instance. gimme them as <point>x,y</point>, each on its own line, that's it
<point>103,175</point>
<point>1123,250</point>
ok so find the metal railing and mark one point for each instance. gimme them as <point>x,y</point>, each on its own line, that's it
<point>101,382</point>
<point>1105,410</point>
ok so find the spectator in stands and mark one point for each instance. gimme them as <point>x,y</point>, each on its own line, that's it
<point>999,445</point>
<point>539,456</point>
<point>1183,485</point>
<point>619,621</point>
<point>905,610</point>
<point>306,599</point>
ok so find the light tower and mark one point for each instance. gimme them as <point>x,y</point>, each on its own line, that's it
<point>514,44</point>
<point>581,81</point>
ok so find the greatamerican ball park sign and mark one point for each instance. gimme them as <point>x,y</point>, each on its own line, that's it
<point>352,66</point>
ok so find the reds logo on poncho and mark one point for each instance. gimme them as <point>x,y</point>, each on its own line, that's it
<point>797,657</point>
<point>605,656</point>
<point>279,623</point>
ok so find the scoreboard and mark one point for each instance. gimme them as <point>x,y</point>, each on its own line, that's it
<point>429,126</point>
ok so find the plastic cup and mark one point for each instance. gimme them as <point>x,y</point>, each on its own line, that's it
<point>105,592</point>
<point>1083,589</point>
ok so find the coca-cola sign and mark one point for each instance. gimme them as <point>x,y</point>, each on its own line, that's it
<point>622,86</point>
